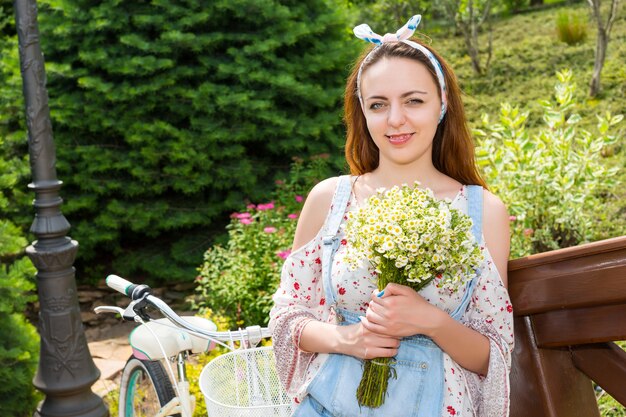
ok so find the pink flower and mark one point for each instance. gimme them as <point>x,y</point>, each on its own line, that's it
<point>279,182</point>
<point>267,206</point>
<point>283,254</point>
<point>246,221</point>
<point>512,218</point>
<point>250,206</point>
<point>269,229</point>
<point>299,199</point>
<point>292,216</point>
<point>243,215</point>
<point>528,232</point>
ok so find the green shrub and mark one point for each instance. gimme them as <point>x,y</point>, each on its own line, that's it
<point>168,114</point>
<point>571,27</point>
<point>19,347</point>
<point>19,341</point>
<point>554,182</point>
<point>238,277</point>
<point>19,344</point>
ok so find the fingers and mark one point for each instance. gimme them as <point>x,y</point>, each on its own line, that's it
<point>377,345</point>
<point>375,326</point>
<point>395,289</point>
<point>379,353</point>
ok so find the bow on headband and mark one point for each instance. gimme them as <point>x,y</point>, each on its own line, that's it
<point>403,34</point>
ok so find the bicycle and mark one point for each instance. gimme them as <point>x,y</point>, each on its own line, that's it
<point>242,382</point>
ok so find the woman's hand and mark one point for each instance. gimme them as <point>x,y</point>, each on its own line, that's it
<point>401,312</point>
<point>358,341</point>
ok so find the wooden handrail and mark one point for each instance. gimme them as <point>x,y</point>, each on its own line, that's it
<point>582,276</point>
<point>568,304</point>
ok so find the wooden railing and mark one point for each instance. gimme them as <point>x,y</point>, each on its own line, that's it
<point>569,306</point>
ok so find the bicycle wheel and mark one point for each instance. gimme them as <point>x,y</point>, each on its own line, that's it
<point>144,389</point>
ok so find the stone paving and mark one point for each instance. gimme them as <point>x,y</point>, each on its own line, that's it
<point>110,355</point>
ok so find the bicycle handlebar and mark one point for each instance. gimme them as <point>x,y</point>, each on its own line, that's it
<point>252,334</point>
<point>127,288</point>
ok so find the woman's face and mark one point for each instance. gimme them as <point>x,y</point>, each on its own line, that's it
<point>401,105</point>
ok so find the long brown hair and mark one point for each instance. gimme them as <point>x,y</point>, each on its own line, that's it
<point>453,147</point>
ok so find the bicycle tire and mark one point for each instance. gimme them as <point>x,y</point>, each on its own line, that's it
<point>144,388</point>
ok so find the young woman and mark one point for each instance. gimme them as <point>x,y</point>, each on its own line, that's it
<point>405,123</point>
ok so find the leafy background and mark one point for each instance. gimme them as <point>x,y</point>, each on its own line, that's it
<point>171,115</point>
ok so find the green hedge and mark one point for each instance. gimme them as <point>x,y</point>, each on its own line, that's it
<point>168,114</point>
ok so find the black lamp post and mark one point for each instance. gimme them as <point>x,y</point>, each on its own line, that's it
<point>66,370</point>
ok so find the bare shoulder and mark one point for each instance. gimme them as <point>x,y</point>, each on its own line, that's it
<point>496,231</point>
<point>314,211</point>
<point>493,206</point>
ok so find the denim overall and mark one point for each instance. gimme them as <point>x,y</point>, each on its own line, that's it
<point>418,388</point>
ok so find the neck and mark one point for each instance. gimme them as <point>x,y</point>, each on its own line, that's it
<point>427,175</point>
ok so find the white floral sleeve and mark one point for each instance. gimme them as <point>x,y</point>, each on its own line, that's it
<point>491,314</point>
<point>298,300</point>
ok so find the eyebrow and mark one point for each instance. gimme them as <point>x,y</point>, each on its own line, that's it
<point>408,93</point>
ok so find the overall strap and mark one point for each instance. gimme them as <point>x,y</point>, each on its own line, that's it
<point>475,211</point>
<point>331,229</point>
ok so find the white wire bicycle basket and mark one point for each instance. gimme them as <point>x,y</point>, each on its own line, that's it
<point>244,383</point>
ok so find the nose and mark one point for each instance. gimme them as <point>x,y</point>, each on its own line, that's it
<point>396,116</point>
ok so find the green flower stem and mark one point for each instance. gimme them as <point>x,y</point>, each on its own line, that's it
<point>372,389</point>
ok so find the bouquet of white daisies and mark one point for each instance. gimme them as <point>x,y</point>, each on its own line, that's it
<point>411,238</point>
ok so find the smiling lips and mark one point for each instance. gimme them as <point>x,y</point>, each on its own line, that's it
<point>399,139</point>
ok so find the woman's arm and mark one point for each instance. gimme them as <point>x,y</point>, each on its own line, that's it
<point>314,212</point>
<point>496,231</point>
<point>354,340</point>
<point>403,312</point>
<point>320,337</point>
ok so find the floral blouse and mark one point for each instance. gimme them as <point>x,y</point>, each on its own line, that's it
<point>300,298</point>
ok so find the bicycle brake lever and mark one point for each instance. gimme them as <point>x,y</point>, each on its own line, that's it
<point>135,309</point>
<point>109,309</point>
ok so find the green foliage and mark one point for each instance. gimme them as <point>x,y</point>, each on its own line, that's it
<point>609,406</point>
<point>571,27</point>
<point>18,361</point>
<point>238,278</point>
<point>167,114</point>
<point>14,170</point>
<point>19,344</point>
<point>553,182</point>
<point>390,15</point>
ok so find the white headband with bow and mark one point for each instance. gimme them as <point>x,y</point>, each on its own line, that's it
<point>403,34</point>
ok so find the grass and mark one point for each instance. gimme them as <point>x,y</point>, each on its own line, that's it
<point>571,28</point>
<point>527,53</point>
